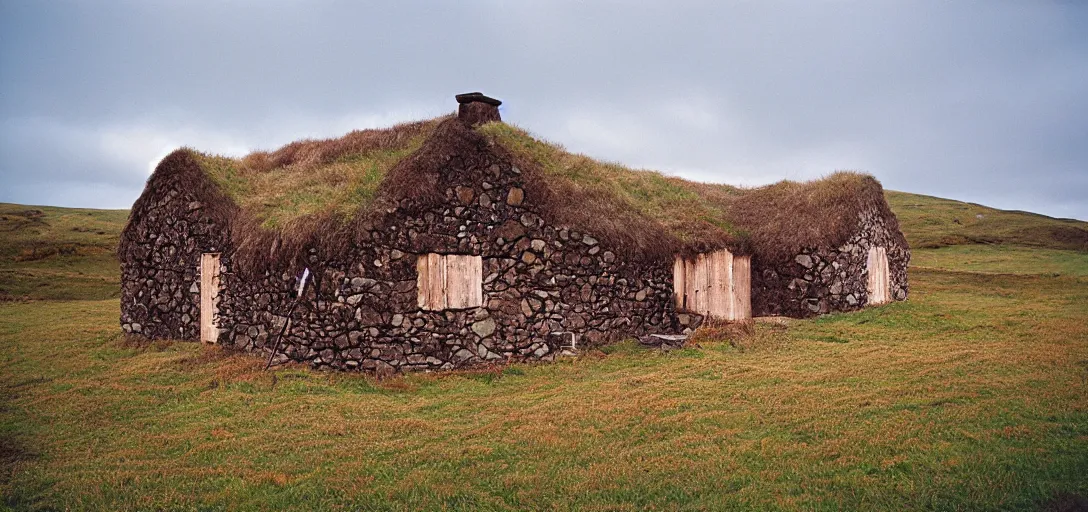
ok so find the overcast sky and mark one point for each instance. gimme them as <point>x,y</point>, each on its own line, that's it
<point>984,102</point>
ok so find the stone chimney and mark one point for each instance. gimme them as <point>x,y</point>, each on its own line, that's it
<point>477,109</point>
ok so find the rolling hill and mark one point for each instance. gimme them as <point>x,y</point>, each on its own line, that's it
<point>931,222</point>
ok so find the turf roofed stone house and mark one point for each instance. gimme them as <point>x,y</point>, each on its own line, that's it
<point>462,240</point>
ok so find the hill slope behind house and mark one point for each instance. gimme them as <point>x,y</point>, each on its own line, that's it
<point>48,252</point>
<point>932,222</point>
<point>967,237</point>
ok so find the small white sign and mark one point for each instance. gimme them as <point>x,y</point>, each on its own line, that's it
<point>302,282</point>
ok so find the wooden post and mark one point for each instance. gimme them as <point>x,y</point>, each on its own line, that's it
<point>209,297</point>
<point>719,272</point>
<point>423,281</point>
<point>700,282</point>
<point>679,284</point>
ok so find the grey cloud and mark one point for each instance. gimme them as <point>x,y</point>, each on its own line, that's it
<point>977,101</point>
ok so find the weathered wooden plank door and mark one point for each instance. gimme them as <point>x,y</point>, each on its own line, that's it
<point>741,288</point>
<point>464,281</point>
<point>716,284</point>
<point>449,281</point>
<point>879,283</point>
<point>432,282</point>
<point>209,297</point>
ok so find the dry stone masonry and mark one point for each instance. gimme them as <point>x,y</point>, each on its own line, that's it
<point>823,280</point>
<point>160,291</point>
<point>539,281</point>
<point>543,287</point>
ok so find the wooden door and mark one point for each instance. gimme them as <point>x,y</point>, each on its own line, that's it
<point>209,297</point>
<point>741,288</point>
<point>464,281</point>
<point>715,284</point>
<point>449,281</point>
<point>879,282</point>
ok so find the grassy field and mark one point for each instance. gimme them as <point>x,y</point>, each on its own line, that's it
<point>971,395</point>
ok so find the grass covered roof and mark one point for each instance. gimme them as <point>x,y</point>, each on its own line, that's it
<point>776,221</point>
<point>313,190</point>
<point>311,177</point>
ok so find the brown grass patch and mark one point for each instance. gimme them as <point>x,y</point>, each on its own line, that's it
<point>315,177</point>
<point>744,336</point>
<point>144,343</point>
<point>783,218</point>
<point>721,330</point>
<point>660,215</point>
<point>206,356</point>
<point>48,251</point>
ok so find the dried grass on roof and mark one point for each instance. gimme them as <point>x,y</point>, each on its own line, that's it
<point>178,171</point>
<point>654,214</point>
<point>325,195</point>
<point>330,177</point>
<point>413,176</point>
<point>783,218</point>
<point>678,216</point>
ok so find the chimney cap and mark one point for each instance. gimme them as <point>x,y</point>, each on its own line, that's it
<point>473,97</point>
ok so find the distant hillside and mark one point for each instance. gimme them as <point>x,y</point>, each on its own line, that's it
<point>59,253</point>
<point>931,222</point>
<point>69,253</point>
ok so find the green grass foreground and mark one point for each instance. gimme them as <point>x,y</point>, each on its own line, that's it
<point>972,395</point>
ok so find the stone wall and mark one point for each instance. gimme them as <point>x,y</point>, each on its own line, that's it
<point>819,281</point>
<point>160,289</point>
<point>542,283</point>
<point>539,281</point>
